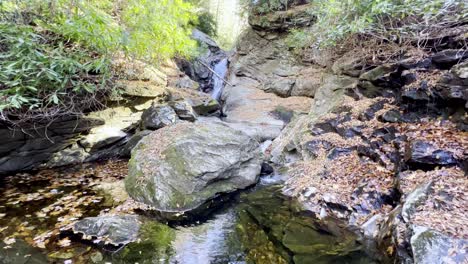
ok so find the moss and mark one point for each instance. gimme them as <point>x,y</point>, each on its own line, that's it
<point>155,244</point>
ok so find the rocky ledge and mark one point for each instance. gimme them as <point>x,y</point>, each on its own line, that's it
<point>383,145</point>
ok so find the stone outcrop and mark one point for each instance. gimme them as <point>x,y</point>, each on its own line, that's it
<point>370,125</point>
<point>27,148</point>
<point>181,168</point>
<point>349,156</point>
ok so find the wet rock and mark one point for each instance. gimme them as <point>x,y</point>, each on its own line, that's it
<point>158,116</point>
<point>199,69</point>
<point>115,230</point>
<point>114,192</point>
<point>430,246</point>
<point>180,168</point>
<point>422,152</point>
<point>184,111</point>
<point>21,253</point>
<point>278,230</point>
<point>155,244</point>
<point>267,169</point>
<point>450,57</point>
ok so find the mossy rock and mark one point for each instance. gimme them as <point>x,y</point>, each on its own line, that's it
<point>183,167</point>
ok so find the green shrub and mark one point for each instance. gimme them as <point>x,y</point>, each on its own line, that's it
<point>389,20</point>
<point>39,71</point>
<point>56,51</point>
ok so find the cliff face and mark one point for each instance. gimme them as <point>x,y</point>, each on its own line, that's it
<point>383,146</point>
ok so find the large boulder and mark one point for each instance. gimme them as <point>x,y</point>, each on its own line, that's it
<point>181,168</point>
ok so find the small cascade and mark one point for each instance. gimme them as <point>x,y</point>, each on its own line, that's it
<point>218,79</point>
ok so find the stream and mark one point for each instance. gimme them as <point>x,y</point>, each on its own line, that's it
<point>258,225</point>
<point>38,210</point>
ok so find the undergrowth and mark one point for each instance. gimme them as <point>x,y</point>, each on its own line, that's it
<point>55,54</point>
<point>395,21</point>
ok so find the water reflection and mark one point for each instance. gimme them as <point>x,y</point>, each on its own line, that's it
<point>262,226</point>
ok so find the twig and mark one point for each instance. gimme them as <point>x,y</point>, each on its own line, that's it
<point>217,75</point>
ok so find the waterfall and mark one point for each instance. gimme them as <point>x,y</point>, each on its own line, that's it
<point>218,79</point>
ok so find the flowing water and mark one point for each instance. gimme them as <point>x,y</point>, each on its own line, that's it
<point>219,78</point>
<point>257,226</point>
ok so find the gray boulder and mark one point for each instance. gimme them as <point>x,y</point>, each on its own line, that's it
<point>180,168</point>
<point>116,230</point>
<point>184,110</point>
<point>158,116</point>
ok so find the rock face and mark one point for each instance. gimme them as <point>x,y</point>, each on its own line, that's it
<point>371,124</point>
<point>178,169</point>
<point>29,147</point>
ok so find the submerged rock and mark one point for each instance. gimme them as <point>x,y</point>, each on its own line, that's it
<point>115,230</point>
<point>180,168</point>
<point>21,253</point>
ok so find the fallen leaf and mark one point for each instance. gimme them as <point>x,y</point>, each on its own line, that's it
<point>9,240</point>
<point>64,242</point>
